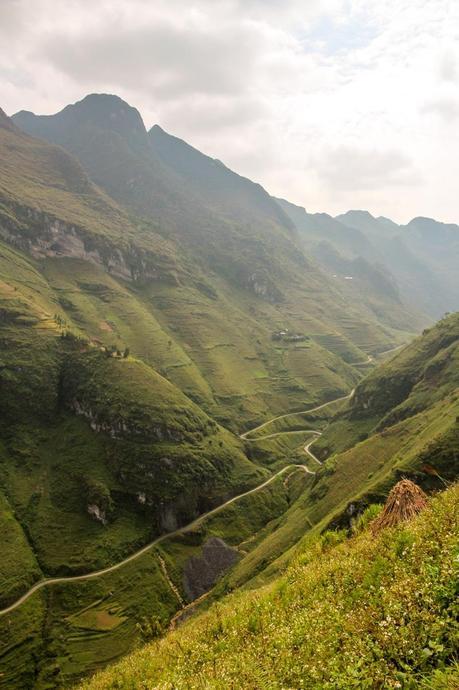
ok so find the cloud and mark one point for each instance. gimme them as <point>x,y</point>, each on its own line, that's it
<point>446,108</point>
<point>167,59</point>
<point>327,102</point>
<point>346,169</point>
<point>448,69</point>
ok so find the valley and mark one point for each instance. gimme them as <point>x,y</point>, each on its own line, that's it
<point>198,381</point>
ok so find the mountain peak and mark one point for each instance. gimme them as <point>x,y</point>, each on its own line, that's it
<point>101,110</point>
<point>423,220</point>
<point>5,121</point>
<point>107,111</point>
<point>357,213</point>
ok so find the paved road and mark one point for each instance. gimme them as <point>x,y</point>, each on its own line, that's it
<point>291,414</point>
<point>308,445</point>
<point>182,530</point>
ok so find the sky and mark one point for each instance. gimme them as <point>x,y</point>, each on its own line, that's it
<point>331,104</point>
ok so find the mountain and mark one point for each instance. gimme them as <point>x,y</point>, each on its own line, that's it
<point>154,306</point>
<point>158,175</point>
<point>362,273</point>
<point>245,268</point>
<point>422,256</point>
<point>419,259</point>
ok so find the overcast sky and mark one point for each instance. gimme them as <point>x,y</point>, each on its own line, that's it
<point>332,104</point>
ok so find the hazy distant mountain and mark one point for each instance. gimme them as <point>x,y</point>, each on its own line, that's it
<point>423,256</point>
<point>356,264</point>
<point>418,259</point>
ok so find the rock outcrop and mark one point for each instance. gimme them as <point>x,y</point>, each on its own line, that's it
<point>201,572</point>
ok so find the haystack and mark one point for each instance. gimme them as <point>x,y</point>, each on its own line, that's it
<point>404,501</point>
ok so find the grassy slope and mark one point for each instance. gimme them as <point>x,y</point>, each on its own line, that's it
<point>368,612</point>
<point>92,623</point>
<point>209,336</point>
<point>415,378</point>
<point>48,454</point>
<point>267,542</point>
<point>368,449</point>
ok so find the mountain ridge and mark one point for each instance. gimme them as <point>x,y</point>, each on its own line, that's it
<point>155,306</point>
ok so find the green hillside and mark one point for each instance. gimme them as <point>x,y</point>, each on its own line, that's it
<point>359,612</point>
<point>364,453</point>
<point>166,339</point>
<point>93,623</point>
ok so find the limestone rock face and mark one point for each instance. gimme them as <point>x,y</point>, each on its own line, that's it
<point>50,237</point>
<point>97,513</point>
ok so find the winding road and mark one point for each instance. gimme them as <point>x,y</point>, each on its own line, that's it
<point>291,414</point>
<point>182,530</point>
<point>195,523</point>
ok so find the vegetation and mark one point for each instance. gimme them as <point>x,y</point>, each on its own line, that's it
<point>136,326</point>
<point>364,612</point>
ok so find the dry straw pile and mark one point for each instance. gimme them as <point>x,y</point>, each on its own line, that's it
<point>404,501</point>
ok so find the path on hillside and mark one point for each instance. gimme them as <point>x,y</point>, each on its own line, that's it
<point>315,433</point>
<point>244,436</point>
<point>392,349</point>
<point>195,523</point>
<point>372,358</point>
<point>182,530</point>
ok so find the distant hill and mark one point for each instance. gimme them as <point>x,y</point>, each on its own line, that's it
<point>361,271</point>
<point>154,305</point>
<point>422,255</point>
<point>419,258</point>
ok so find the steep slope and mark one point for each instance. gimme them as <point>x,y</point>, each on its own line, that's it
<point>143,328</point>
<point>160,180</point>
<point>367,612</point>
<point>49,207</point>
<point>402,420</point>
<point>73,415</point>
<point>214,183</point>
<point>245,276</point>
